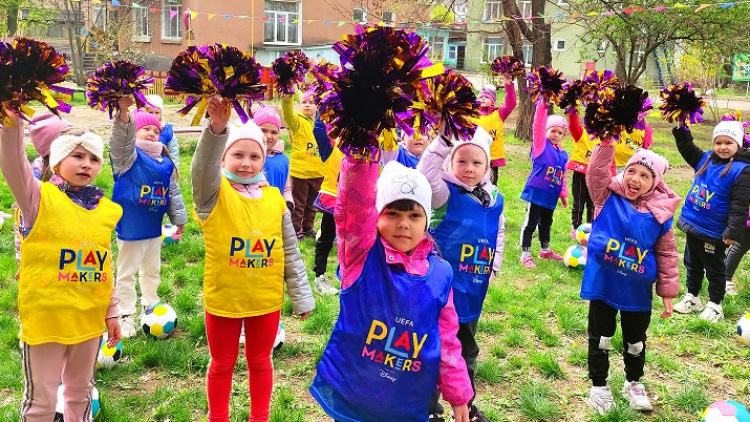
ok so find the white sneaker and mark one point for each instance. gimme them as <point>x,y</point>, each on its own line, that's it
<point>688,304</point>
<point>636,395</point>
<point>600,398</point>
<point>730,290</point>
<point>712,313</point>
<point>127,326</point>
<point>325,285</point>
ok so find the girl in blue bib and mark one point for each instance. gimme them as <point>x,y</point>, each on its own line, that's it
<point>632,246</point>
<point>395,337</point>
<point>714,214</point>
<point>469,228</point>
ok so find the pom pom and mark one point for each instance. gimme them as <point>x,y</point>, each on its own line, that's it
<point>737,117</point>
<point>28,71</point>
<point>290,70</point>
<point>203,71</point>
<point>545,82</point>
<point>623,112</point>
<point>324,73</point>
<point>383,69</point>
<point>452,101</point>
<point>571,96</point>
<point>508,64</point>
<point>600,85</point>
<point>114,80</point>
<point>680,104</point>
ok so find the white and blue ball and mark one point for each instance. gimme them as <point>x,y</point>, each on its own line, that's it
<point>108,356</point>
<point>169,235</point>
<point>743,329</point>
<point>726,411</point>
<point>60,407</point>
<point>575,256</point>
<point>159,320</point>
<point>583,232</point>
<point>280,338</point>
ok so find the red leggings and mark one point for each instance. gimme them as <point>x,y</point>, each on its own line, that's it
<point>223,344</point>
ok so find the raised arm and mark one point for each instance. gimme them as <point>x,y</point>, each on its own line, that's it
<point>539,135</point>
<point>574,124</point>
<point>325,148</point>
<point>689,151</point>
<point>510,98</point>
<point>122,141</point>
<point>599,174</point>
<point>18,172</point>
<point>431,165</point>
<point>288,113</point>
<point>205,170</point>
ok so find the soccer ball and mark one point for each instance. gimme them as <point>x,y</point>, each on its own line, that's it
<point>168,235</point>
<point>108,356</point>
<point>575,256</point>
<point>280,338</point>
<point>726,411</point>
<point>743,328</point>
<point>59,408</point>
<point>583,232</point>
<point>159,320</point>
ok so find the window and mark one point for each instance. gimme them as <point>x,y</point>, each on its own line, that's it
<point>281,28</point>
<point>453,53</point>
<point>100,16</point>
<point>559,45</point>
<point>141,23</point>
<point>602,48</point>
<point>171,19</point>
<point>493,47</point>
<point>389,16</point>
<point>525,8</point>
<point>528,51</point>
<point>460,10</point>
<point>562,3</point>
<point>493,10</point>
<point>360,15</point>
<point>437,47</point>
<point>639,53</point>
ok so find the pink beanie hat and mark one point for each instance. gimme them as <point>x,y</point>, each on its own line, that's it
<point>144,118</point>
<point>488,91</point>
<point>249,131</point>
<point>44,129</point>
<point>556,121</point>
<point>308,94</point>
<point>267,115</point>
<point>652,161</point>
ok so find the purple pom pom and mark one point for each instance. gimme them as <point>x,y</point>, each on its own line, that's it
<point>290,71</point>
<point>600,85</point>
<point>508,64</point>
<point>545,83</point>
<point>114,80</point>
<point>623,112</point>
<point>681,104</point>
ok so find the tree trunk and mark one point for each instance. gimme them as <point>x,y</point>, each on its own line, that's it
<point>11,19</point>
<point>541,56</point>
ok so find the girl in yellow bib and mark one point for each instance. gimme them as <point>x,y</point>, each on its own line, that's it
<point>492,119</point>
<point>251,251</point>
<point>65,290</point>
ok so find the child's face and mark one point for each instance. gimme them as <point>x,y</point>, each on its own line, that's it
<point>271,132</point>
<point>403,229</point>
<point>244,159</point>
<point>725,147</point>
<point>555,134</point>
<point>308,107</point>
<point>80,167</point>
<point>469,164</point>
<point>485,102</point>
<point>637,180</point>
<point>148,133</point>
<point>156,111</point>
<point>417,143</point>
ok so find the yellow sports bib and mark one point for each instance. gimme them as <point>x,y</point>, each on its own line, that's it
<point>244,269</point>
<point>626,146</point>
<point>305,162</point>
<point>332,167</point>
<point>66,270</point>
<point>583,148</point>
<point>494,125</point>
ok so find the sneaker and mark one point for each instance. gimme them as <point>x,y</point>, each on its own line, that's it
<point>127,326</point>
<point>324,285</point>
<point>601,400</point>
<point>730,290</point>
<point>550,254</point>
<point>476,415</point>
<point>688,304</point>
<point>712,313</point>
<point>434,417</point>
<point>528,261</point>
<point>636,395</point>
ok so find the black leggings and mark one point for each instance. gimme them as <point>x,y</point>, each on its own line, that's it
<point>536,216</point>
<point>581,199</point>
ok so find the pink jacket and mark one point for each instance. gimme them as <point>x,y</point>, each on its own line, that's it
<point>539,141</point>
<point>356,219</point>
<point>662,202</point>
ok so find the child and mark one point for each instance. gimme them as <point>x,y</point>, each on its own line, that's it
<point>714,214</point>
<point>392,284</point>
<point>468,215</point>
<point>306,166</point>
<point>325,203</point>
<point>240,213</point>
<point>408,152</point>
<point>147,187</point>
<point>634,209</point>
<point>546,183</point>
<point>276,167</point>
<point>492,119</point>
<point>578,163</point>
<point>61,226</point>
<point>167,135</point>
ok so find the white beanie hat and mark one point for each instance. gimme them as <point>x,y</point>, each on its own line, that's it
<point>250,131</point>
<point>64,145</point>
<point>481,138</point>
<point>397,182</point>
<point>732,129</point>
<point>156,101</point>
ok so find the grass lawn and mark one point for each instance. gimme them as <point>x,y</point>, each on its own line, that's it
<point>532,365</point>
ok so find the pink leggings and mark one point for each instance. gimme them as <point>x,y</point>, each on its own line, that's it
<point>223,345</point>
